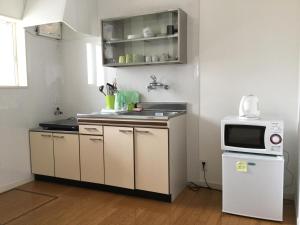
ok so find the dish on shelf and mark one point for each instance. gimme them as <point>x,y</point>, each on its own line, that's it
<point>134,36</point>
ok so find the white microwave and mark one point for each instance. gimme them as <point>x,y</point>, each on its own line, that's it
<point>252,136</point>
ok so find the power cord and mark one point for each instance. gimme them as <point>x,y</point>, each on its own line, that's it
<point>204,174</point>
<point>196,187</point>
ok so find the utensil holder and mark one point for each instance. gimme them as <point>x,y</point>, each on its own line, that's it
<point>110,101</point>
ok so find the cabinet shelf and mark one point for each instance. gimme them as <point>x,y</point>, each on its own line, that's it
<point>169,39</point>
<point>141,39</point>
<point>142,63</point>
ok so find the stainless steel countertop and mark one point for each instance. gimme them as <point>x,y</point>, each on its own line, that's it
<point>144,115</point>
<point>152,111</point>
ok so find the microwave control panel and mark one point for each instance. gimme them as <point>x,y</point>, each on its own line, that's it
<point>276,136</point>
<point>277,127</point>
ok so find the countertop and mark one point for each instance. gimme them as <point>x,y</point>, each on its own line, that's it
<point>144,115</point>
<point>152,111</point>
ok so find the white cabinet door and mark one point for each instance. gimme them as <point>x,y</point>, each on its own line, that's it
<point>152,160</point>
<point>91,159</point>
<point>119,157</point>
<point>66,154</point>
<point>41,149</point>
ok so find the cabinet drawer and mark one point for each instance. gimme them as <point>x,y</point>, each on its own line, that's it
<point>90,129</point>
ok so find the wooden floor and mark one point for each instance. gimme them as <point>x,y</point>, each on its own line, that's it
<point>40,203</point>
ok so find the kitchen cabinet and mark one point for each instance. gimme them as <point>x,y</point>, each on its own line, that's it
<point>119,156</point>
<point>149,39</point>
<point>66,154</point>
<point>151,160</point>
<point>147,157</point>
<point>42,158</point>
<point>91,158</point>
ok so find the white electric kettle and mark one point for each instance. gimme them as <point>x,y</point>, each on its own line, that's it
<point>249,108</point>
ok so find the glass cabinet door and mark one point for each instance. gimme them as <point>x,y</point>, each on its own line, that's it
<point>140,40</point>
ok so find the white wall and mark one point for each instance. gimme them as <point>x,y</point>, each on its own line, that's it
<point>12,8</point>
<point>248,47</point>
<point>24,108</point>
<point>80,92</point>
<point>82,16</point>
<point>245,48</point>
<point>80,96</point>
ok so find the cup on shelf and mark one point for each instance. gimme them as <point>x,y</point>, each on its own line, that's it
<point>164,57</point>
<point>128,58</point>
<point>122,59</point>
<point>170,29</point>
<point>137,58</point>
<point>163,30</point>
<point>148,59</point>
<point>155,58</point>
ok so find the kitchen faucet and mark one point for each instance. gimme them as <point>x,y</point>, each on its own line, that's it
<point>154,84</point>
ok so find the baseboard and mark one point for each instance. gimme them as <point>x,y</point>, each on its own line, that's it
<point>103,187</point>
<point>15,184</point>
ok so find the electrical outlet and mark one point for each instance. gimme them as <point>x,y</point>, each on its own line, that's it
<point>204,165</point>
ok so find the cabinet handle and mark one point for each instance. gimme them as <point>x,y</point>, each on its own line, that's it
<point>45,135</point>
<point>143,131</point>
<point>58,136</point>
<point>96,139</point>
<point>91,129</point>
<point>125,131</point>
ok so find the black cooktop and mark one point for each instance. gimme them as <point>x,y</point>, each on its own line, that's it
<point>69,124</point>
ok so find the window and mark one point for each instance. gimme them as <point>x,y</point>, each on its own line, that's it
<point>12,54</point>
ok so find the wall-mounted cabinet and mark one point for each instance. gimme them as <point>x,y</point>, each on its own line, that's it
<point>152,39</point>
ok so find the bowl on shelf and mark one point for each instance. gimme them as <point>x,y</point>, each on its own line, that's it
<point>147,32</point>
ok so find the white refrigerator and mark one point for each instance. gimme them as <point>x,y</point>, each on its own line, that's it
<point>253,185</point>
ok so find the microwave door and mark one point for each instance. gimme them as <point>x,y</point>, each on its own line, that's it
<point>245,136</point>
